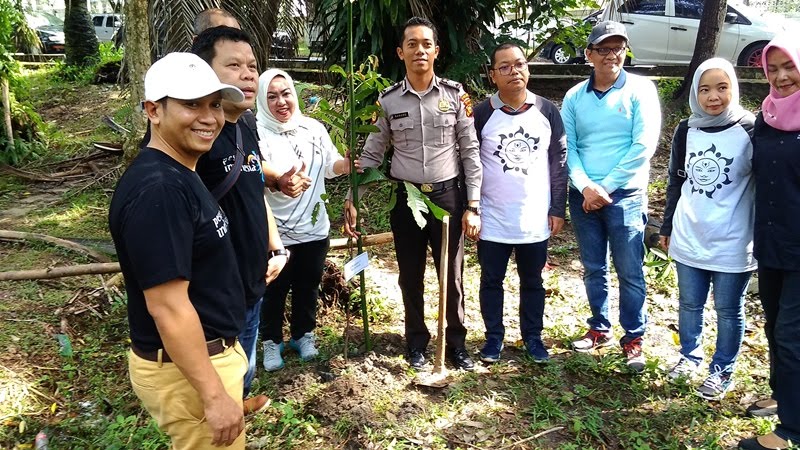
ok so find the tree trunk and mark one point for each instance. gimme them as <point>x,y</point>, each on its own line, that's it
<point>82,48</point>
<point>137,61</point>
<point>705,47</point>
<point>6,99</point>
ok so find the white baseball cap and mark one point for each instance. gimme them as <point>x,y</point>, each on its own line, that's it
<point>185,76</point>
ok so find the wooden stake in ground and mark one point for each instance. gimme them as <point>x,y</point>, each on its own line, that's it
<point>438,379</point>
<point>438,364</point>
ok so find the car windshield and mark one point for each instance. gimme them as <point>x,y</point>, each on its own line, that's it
<point>747,11</point>
<point>45,20</point>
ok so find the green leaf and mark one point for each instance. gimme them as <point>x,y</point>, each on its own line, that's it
<point>416,202</point>
<point>315,213</point>
<point>370,175</point>
<point>335,68</point>
<point>658,252</point>
<point>437,212</point>
<point>367,129</point>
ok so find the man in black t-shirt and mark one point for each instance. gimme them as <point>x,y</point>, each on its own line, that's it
<point>259,251</point>
<point>185,296</point>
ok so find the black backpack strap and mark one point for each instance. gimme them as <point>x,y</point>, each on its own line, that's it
<point>250,119</point>
<point>236,170</point>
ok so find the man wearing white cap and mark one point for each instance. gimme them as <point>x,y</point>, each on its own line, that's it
<point>185,297</point>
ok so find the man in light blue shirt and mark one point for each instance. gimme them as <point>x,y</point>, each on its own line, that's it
<point>612,122</point>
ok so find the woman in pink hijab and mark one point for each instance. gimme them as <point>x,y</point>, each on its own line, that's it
<point>776,165</point>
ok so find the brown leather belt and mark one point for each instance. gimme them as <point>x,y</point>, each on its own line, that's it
<point>215,347</point>
<point>436,187</point>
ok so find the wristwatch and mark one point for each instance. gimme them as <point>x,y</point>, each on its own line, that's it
<point>474,209</point>
<point>280,251</point>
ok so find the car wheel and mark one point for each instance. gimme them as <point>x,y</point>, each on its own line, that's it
<point>560,55</point>
<point>751,56</point>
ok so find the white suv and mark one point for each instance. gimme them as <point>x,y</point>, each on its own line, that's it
<point>665,31</point>
<point>106,25</point>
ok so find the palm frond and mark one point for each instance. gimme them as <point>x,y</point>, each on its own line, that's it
<point>172,23</point>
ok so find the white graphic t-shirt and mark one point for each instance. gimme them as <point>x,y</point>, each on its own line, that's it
<point>713,221</point>
<point>515,194</point>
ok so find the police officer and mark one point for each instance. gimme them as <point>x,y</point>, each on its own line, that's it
<point>428,122</point>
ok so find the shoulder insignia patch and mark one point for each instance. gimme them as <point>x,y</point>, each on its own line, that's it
<point>467,104</point>
<point>450,83</point>
<point>375,113</point>
<point>390,88</point>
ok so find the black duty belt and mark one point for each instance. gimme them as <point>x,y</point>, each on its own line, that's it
<point>215,347</point>
<point>436,187</point>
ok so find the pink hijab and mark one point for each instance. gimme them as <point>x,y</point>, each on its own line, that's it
<point>779,112</point>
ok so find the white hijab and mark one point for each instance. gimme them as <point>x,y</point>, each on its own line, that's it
<point>264,117</point>
<point>732,114</point>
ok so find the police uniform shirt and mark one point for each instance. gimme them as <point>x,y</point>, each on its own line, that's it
<point>429,131</point>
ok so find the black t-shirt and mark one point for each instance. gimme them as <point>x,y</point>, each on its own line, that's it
<point>166,226</point>
<point>243,203</point>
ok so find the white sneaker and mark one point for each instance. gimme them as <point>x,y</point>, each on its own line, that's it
<point>684,369</point>
<point>272,356</point>
<point>305,346</point>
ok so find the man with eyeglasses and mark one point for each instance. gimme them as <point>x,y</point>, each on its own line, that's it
<point>428,122</point>
<point>612,121</point>
<point>523,151</point>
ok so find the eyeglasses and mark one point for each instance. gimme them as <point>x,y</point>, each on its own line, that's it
<point>604,51</point>
<point>519,66</point>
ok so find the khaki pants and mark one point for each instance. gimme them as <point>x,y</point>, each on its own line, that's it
<point>175,404</point>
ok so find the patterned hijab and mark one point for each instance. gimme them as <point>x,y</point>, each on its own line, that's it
<point>782,113</point>
<point>264,117</point>
<point>732,114</point>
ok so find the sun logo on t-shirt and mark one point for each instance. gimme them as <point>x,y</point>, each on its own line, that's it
<point>708,171</point>
<point>515,150</point>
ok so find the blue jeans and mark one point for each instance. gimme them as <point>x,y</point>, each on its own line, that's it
<point>729,290</point>
<point>249,340</point>
<point>780,295</point>
<point>493,258</point>
<point>618,227</point>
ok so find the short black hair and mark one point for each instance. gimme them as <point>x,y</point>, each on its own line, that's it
<point>417,21</point>
<point>202,21</point>
<point>203,46</point>
<point>500,48</point>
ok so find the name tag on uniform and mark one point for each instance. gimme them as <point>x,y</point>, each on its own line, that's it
<point>399,115</point>
<point>356,266</point>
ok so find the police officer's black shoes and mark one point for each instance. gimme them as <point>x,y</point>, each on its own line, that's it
<point>459,358</point>
<point>416,358</point>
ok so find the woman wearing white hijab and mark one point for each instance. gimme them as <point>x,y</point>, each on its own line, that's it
<point>299,156</point>
<point>708,221</point>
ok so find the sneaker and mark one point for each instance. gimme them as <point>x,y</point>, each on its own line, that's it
<point>416,358</point>
<point>684,369</point>
<point>255,404</point>
<point>459,358</point>
<point>490,353</point>
<point>272,356</point>
<point>591,340</point>
<point>716,386</point>
<point>633,354</point>
<point>305,346</point>
<point>763,408</point>
<point>537,350</point>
